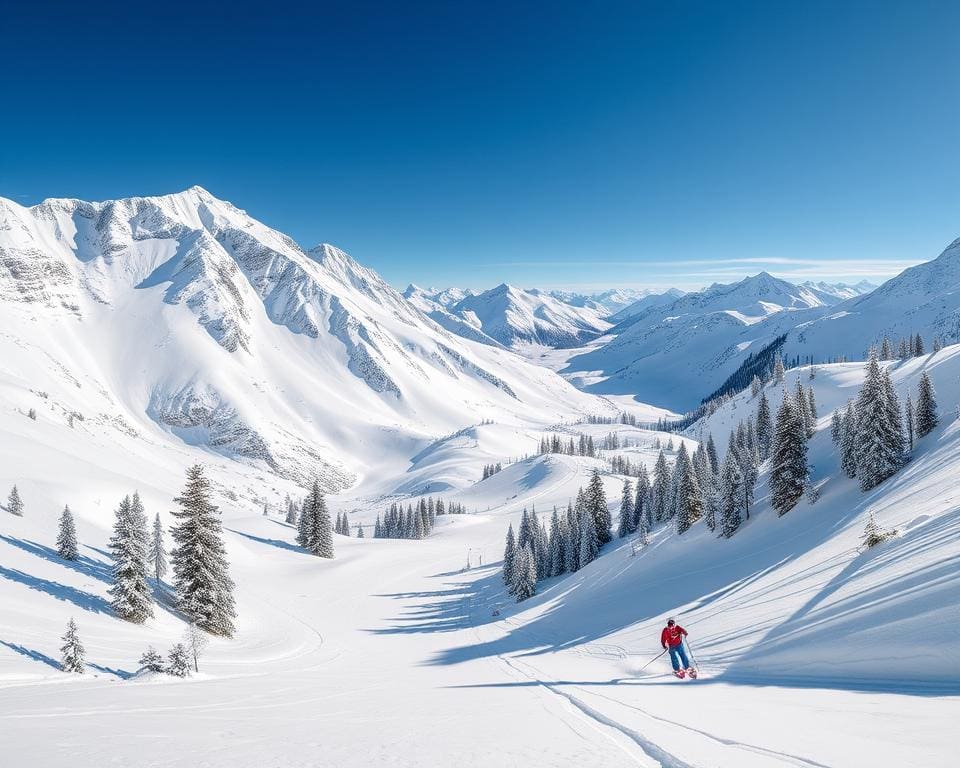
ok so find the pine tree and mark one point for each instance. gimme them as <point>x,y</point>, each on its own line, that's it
<point>812,409</point>
<point>764,427</point>
<point>597,506</point>
<point>661,488</point>
<point>67,536</point>
<point>749,469</point>
<point>291,517</point>
<point>910,426</point>
<point>688,499</point>
<point>778,370</point>
<point>151,661</point>
<point>524,575</point>
<point>641,504</point>
<point>625,526</point>
<point>926,418</point>
<point>158,554</point>
<point>319,534</point>
<point>789,470</point>
<point>902,351</point>
<point>129,592</point>
<point>730,495</point>
<point>937,344</point>
<point>755,386</point>
<point>359,531</point>
<point>879,431</point>
<point>886,349</point>
<point>836,427</point>
<point>589,546</point>
<point>801,410</point>
<point>200,571</point>
<point>712,453</point>
<point>572,548</point>
<point>509,556</point>
<point>178,661</point>
<point>918,349</point>
<point>848,442</point>
<point>72,652</point>
<point>15,503</point>
<point>558,560</point>
<point>304,525</point>
<point>873,534</point>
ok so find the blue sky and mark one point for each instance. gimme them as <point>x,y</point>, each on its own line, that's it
<point>548,144</point>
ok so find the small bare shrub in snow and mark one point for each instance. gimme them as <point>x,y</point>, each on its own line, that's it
<point>32,414</point>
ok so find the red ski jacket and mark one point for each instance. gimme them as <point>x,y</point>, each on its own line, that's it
<point>672,636</point>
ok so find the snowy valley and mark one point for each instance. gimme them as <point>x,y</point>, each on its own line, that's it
<point>142,337</point>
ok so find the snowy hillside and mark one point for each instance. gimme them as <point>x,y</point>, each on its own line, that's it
<point>645,303</point>
<point>605,303</point>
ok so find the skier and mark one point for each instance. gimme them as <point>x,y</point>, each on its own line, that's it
<point>672,639</point>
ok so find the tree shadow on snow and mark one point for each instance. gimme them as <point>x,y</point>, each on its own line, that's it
<point>81,599</point>
<point>30,653</point>
<point>278,543</point>
<point>95,569</point>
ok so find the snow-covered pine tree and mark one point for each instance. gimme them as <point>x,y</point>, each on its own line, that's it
<point>836,427</point>
<point>873,534</point>
<point>688,499</point>
<point>918,348</point>
<point>730,494</point>
<point>661,488</point>
<point>926,418</point>
<point>320,535</point>
<point>711,502</point>
<point>304,525</point>
<point>291,517</point>
<point>848,442</point>
<point>359,531</point>
<point>789,470</point>
<point>749,466</point>
<point>764,427</point>
<point>558,560</point>
<point>151,661</point>
<point>778,370</point>
<point>903,351</point>
<point>509,557</point>
<point>812,409</point>
<point>801,409</point>
<point>15,503</point>
<point>67,536</point>
<point>157,555</point>
<point>589,546</point>
<point>937,344</point>
<point>597,505</point>
<point>265,509</point>
<point>755,386</point>
<point>129,591</point>
<point>908,412</point>
<point>71,652</point>
<point>543,556</point>
<point>625,525</point>
<point>886,349</point>
<point>178,661</point>
<point>572,547</point>
<point>712,454</point>
<point>200,571</point>
<point>641,502</point>
<point>879,431</point>
<point>524,574</point>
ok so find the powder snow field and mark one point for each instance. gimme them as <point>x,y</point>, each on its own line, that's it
<point>812,654</point>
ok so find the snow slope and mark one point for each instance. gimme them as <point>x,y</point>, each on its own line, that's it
<point>392,653</point>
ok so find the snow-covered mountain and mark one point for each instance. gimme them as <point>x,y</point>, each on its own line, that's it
<point>838,291</point>
<point>605,303</point>
<point>674,355</point>
<point>183,319</point>
<point>512,316</point>
<point>649,301</point>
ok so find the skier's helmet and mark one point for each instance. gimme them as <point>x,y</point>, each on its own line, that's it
<point>671,622</point>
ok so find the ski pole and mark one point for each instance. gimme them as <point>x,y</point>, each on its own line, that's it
<point>651,661</point>
<point>690,651</point>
